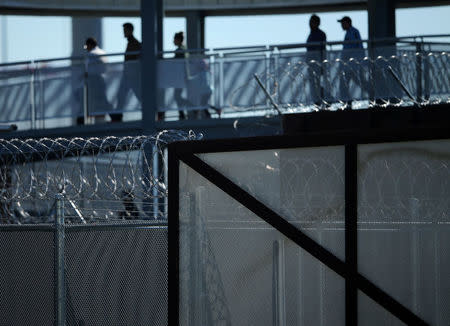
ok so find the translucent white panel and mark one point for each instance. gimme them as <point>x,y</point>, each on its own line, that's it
<point>404,219</point>
<point>304,185</point>
<point>235,269</point>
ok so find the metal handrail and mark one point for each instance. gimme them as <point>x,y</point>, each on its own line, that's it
<point>215,51</point>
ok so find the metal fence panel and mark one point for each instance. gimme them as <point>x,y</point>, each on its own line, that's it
<point>26,276</point>
<point>116,276</point>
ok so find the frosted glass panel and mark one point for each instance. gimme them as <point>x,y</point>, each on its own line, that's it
<point>304,185</point>
<point>404,224</point>
<point>235,269</point>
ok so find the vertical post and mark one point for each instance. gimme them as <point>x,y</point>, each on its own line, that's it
<point>322,75</point>
<point>426,74</point>
<point>275,73</point>
<point>41,109</point>
<point>212,65</point>
<point>199,248</point>
<point>415,256</point>
<point>151,22</point>
<point>437,279</point>
<point>59,262</point>
<point>371,80</point>
<point>32,96</point>
<point>4,38</point>
<point>278,285</point>
<point>419,73</point>
<point>173,238</point>
<point>165,171</point>
<point>85,93</point>
<point>268,62</point>
<point>221,81</point>
<point>351,233</point>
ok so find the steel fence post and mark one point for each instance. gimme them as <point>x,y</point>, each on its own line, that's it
<point>60,262</point>
<point>278,284</point>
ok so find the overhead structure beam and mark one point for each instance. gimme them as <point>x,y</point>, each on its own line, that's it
<point>180,8</point>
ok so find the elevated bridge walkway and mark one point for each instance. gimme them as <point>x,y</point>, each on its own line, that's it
<point>223,89</point>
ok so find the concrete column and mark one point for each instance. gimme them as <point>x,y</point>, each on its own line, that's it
<point>195,28</point>
<point>151,17</point>
<point>381,18</point>
<point>82,28</point>
<point>4,38</point>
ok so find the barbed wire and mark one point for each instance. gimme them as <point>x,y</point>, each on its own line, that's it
<point>300,83</point>
<point>111,177</point>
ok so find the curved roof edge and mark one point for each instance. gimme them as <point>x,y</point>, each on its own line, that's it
<point>177,7</point>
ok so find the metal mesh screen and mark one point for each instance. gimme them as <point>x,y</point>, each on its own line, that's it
<point>304,185</point>
<point>235,269</point>
<point>116,275</point>
<point>26,276</point>
<point>403,227</point>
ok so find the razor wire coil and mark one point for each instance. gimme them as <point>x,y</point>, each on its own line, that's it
<point>116,177</point>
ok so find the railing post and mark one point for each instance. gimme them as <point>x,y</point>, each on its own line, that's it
<point>60,262</point>
<point>212,65</point>
<point>371,78</point>
<point>221,80</point>
<point>419,73</point>
<point>32,95</point>
<point>85,93</point>
<point>426,74</point>
<point>322,75</point>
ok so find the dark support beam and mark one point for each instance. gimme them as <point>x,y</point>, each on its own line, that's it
<point>151,16</point>
<point>381,18</point>
<point>195,28</point>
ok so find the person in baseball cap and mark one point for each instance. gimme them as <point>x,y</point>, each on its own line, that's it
<point>352,34</point>
<point>345,19</point>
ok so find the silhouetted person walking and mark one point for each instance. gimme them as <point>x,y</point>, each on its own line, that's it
<point>96,87</point>
<point>180,53</point>
<point>131,78</point>
<point>316,35</point>
<point>352,69</point>
<point>315,56</point>
<point>352,36</point>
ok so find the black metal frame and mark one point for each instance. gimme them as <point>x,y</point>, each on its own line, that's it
<point>185,152</point>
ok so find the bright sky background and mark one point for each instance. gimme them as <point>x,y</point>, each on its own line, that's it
<point>31,37</point>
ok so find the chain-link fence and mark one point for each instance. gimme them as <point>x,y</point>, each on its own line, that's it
<point>83,230</point>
